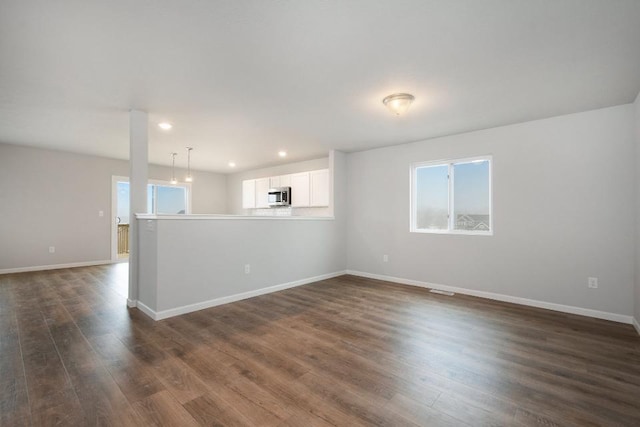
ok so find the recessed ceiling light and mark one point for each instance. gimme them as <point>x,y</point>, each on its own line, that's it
<point>165,125</point>
<point>282,153</point>
<point>232,164</point>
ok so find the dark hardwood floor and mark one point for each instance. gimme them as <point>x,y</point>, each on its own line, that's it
<point>346,351</point>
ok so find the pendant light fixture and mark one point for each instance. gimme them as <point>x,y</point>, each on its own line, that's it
<point>173,168</point>
<point>398,103</point>
<point>189,178</point>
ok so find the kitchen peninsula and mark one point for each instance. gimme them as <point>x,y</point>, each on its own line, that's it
<point>191,262</point>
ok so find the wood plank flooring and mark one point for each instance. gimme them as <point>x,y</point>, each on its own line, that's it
<point>346,352</point>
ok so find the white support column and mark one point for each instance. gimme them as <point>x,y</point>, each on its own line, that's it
<point>138,178</point>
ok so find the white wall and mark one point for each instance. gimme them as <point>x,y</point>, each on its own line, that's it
<point>208,190</point>
<point>52,198</point>
<point>564,210</point>
<point>195,261</point>
<point>637,180</point>
<point>234,184</point>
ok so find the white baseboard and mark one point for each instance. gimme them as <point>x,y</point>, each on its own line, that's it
<point>55,266</point>
<point>636,325</point>
<point>501,297</point>
<point>132,303</point>
<point>146,310</point>
<point>164,314</point>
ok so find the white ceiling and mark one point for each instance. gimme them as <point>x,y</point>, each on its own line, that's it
<point>242,79</point>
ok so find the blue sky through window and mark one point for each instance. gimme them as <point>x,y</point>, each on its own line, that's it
<point>432,197</point>
<point>471,188</point>
<point>171,200</point>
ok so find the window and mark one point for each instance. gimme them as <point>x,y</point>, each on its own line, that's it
<point>162,198</point>
<point>452,196</point>
<point>167,199</point>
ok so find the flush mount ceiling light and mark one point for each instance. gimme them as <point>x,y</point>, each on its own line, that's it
<point>232,164</point>
<point>189,178</point>
<point>282,153</point>
<point>398,103</point>
<point>173,168</point>
<point>165,125</point>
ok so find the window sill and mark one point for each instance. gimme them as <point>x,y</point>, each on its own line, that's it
<point>453,232</point>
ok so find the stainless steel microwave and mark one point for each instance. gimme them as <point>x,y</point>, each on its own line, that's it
<point>280,196</point>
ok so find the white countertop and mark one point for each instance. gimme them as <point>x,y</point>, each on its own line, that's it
<point>231,217</point>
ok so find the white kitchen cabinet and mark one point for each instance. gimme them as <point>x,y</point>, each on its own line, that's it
<point>280,181</point>
<point>249,194</point>
<point>307,189</point>
<point>262,193</point>
<point>319,188</point>
<point>285,181</point>
<point>300,189</point>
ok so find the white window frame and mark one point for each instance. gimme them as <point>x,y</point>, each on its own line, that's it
<point>450,217</point>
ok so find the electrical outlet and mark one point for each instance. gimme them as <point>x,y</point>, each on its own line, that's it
<point>52,249</point>
<point>247,269</point>
<point>592,282</point>
<point>100,213</point>
<point>385,258</point>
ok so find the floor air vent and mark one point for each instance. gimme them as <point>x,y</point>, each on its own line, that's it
<point>439,292</point>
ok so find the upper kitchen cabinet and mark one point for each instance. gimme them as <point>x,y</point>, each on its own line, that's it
<point>285,181</point>
<point>249,194</point>
<point>319,188</point>
<point>280,181</point>
<point>308,189</point>
<point>300,196</point>
<point>262,192</point>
